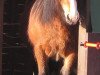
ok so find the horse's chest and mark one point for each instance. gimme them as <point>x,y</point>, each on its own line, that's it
<point>54,41</point>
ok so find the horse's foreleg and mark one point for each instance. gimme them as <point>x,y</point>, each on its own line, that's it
<point>41,60</point>
<point>68,61</point>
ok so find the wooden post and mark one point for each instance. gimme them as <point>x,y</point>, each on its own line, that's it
<point>82,52</point>
<point>83,37</point>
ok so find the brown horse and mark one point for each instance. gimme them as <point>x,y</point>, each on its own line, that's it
<point>52,32</point>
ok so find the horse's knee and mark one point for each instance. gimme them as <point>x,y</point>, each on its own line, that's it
<point>41,59</point>
<point>68,61</point>
<point>42,65</point>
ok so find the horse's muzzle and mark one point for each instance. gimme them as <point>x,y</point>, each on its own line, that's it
<point>72,20</point>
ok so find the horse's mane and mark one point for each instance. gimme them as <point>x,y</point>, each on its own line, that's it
<point>46,10</point>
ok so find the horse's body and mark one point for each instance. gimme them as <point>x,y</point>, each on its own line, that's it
<point>51,33</point>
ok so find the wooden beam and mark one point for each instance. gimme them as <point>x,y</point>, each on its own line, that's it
<point>82,52</point>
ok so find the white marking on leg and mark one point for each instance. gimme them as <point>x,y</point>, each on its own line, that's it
<point>67,64</point>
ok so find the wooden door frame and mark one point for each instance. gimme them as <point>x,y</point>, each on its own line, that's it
<point>83,37</point>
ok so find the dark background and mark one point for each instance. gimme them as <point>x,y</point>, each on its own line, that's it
<point>93,56</point>
<point>16,52</point>
<point>1,31</point>
<point>95,15</point>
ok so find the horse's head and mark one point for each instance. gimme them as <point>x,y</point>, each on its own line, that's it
<point>70,11</point>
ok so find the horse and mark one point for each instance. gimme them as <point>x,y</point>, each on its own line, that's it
<point>52,32</point>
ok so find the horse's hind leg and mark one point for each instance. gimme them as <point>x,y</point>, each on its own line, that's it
<point>41,60</point>
<point>68,61</point>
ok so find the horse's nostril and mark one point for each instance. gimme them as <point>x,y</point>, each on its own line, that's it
<point>72,19</point>
<point>68,17</point>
